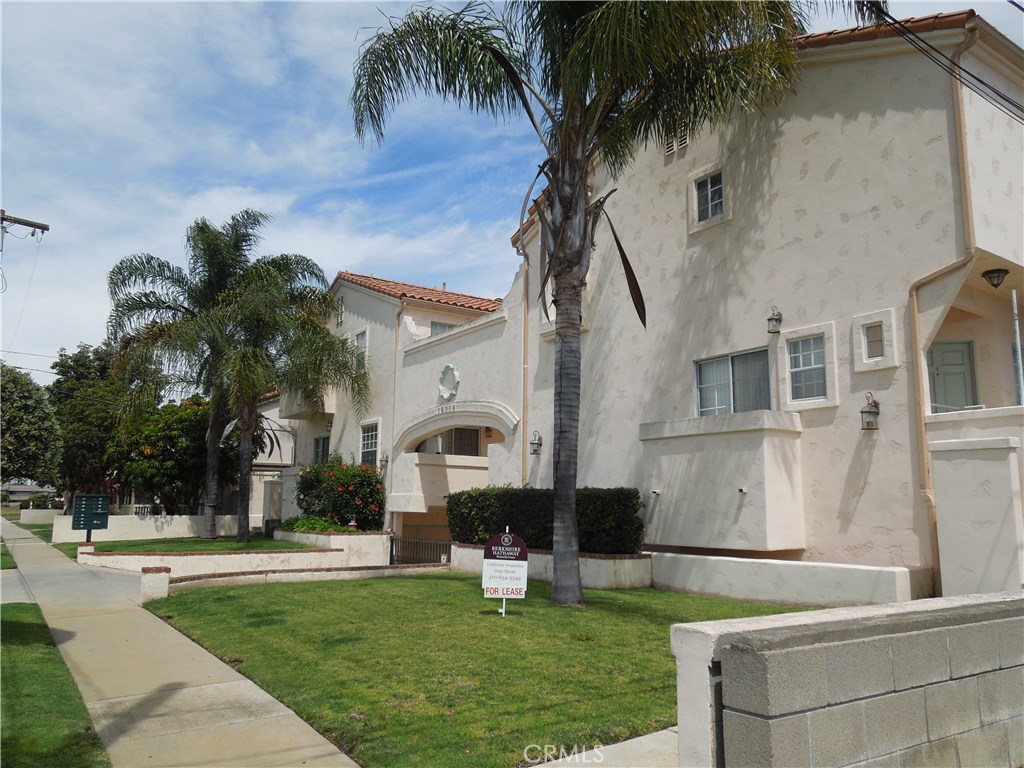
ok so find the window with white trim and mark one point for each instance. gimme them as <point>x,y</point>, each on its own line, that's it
<point>438,328</point>
<point>360,339</point>
<point>734,384</point>
<point>710,197</point>
<point>807,367</point>
<point>340,319</point>
<point>321,448</point>
<point>874,341</point>
<point>368,444</point>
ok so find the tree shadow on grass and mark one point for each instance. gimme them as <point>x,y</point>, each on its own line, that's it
<point>82,749</point>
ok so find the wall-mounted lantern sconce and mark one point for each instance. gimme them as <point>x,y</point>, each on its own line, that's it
<point>535,444</point>
<point>774,320</point>
<point>383,462</point>
<point>869,413</point>
<point>488,432</point>
<point>995,277</point>
<point>329,425</point>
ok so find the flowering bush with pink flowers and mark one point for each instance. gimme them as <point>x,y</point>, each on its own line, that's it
<point>342,491</point>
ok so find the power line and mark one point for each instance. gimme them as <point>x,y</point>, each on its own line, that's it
<point>1001,101</point>
<point>27,354</point>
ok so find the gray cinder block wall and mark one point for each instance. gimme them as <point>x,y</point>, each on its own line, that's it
<point>940,685</point>
<point>961,655</point>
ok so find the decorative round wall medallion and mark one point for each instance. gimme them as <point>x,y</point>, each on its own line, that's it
<point>448,384</point>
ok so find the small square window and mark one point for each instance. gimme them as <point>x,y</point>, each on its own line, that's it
<point>874,341</point>
<point>807,367</point>
<point>710,197</point>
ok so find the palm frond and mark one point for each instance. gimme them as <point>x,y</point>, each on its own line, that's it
<point>439,52</point>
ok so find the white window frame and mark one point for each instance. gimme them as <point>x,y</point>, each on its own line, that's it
<point>365,333</point>
<point>317,442</point>
<point>704,174</point>
<point>890,357</point>
<point>437,327</point>
<point>375,423</point>
<point>340,319</point>
<point>732,383</point>
<point>831,398</point>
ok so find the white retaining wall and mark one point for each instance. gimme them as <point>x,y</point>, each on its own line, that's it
<point>596,571</point>
<point>790,581</point>
<point>364,548</point>
<point>202,564</point>
<point>136,527</point>
<point>39,516</point>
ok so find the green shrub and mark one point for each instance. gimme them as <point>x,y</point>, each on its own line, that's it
<point>42,501</point>
<point>342,491</point>
<point>607,518</point>
<point>312,524</point>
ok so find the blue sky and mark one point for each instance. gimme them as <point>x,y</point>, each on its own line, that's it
<point>124,122</point>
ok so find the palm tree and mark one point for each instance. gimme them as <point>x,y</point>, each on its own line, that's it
<point>272,326</point>
<point>597,80</point>
<point>160,309</point>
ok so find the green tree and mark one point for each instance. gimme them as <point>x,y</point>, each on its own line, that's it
<point>273,327</point>
<point>163,311</point>
<point>597,80</point>
<point>162,455</point>
<point>88,397</point>
<point>29,435</point>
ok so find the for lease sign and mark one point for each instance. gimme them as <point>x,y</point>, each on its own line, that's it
<point>505,566</point>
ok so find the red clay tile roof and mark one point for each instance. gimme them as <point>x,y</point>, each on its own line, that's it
<point>870,32</point>
<point>399,290</point>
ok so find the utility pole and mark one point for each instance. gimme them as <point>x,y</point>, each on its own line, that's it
<point>5,220</point>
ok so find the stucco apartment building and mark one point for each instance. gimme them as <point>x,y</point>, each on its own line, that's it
<point>866,214</point>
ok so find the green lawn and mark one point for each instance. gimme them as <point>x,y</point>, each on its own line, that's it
<point>44,722</point>
<point>43,530</point>
<point>11,513</point>
<point>6,561</point>
<point>422,670</point>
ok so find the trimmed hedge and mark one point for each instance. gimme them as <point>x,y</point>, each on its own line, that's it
<point>607,519</point>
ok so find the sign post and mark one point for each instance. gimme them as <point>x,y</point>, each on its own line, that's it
<point>506,561</point>
<point>91,512</point>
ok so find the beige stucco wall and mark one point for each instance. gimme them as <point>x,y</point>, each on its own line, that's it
<point>837,201</point>
<point>995,156</point>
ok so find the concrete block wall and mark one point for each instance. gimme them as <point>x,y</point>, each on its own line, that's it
<point>942,686</point>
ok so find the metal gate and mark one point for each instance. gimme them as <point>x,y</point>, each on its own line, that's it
<point>406,550</point>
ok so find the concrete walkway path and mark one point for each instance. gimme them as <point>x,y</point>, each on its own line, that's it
<point>155,697</point>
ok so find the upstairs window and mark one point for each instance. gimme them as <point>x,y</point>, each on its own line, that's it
<point>874,341</point>
<point>734,384</point>
<point>437,328</point>
<point>710,197</point>
<point>807,367</point>
<point>368,445</point>
<point>361,346</point>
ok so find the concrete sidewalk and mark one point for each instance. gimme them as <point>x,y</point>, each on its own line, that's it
<point>155,697</point>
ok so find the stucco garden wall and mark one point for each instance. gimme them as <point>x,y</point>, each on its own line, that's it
<point>596,571</point>
<point>135,527</point>
<point>935,682</point>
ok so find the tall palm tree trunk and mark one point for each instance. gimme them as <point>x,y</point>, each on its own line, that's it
<point>567,588</point>
<point>569,222</point>
<point>211,496</point>
<point>246,427</point>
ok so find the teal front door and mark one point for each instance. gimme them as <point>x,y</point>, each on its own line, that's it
<point>951,374</point>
